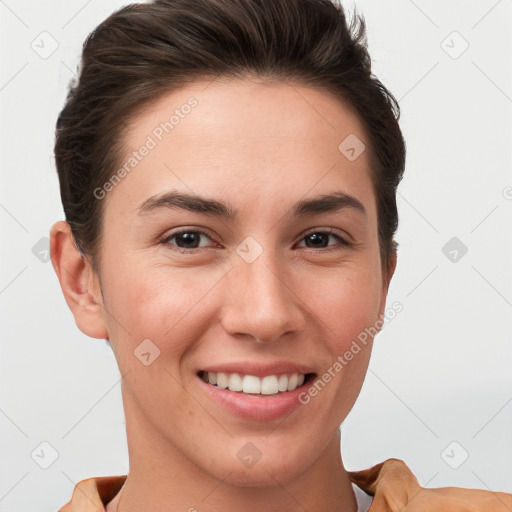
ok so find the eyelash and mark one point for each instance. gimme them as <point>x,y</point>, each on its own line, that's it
<point>326,231</point>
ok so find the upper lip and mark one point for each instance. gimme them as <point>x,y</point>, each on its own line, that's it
<point>258,369</point>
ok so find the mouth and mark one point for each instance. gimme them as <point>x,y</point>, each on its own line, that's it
<point>278,384</point>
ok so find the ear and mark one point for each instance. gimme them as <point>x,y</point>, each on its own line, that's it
<point>387,274</point>
<point>390,270</point>
<point>80,285</point>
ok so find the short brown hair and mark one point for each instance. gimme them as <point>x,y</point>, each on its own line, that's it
<point>143,51</point>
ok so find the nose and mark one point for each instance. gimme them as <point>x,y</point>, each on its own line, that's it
<point>261,302</point>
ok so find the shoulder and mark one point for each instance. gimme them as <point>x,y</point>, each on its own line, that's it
<point>393,487</point>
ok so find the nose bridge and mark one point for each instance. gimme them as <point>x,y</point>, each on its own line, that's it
<point>262,303</point>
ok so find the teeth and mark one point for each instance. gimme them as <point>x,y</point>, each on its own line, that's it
<point>282,383</point>
<point>269,385</point>
<point>292,382</point>
<point>250,384</point>
<point>222,380</point>
<point>235,382</point>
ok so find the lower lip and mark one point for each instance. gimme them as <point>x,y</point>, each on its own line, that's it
<point>256,407</point>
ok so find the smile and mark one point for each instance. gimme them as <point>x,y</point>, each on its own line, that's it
<point>253,385</point>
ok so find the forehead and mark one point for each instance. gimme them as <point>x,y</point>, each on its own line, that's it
<point>256,139</point>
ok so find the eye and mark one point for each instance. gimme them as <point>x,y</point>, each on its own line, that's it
<point>187,239</point>
<point>319,238</point>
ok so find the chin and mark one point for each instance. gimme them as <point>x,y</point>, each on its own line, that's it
<point>250,467</point>
<point>262,474</point>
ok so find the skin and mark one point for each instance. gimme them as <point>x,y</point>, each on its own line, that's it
<point>260,146</point>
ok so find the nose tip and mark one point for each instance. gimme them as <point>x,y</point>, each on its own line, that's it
<point>261,303</point>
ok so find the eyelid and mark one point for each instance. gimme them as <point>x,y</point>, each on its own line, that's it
<point>331,231</point>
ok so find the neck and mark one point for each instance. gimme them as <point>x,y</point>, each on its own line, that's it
<point>162,479</point>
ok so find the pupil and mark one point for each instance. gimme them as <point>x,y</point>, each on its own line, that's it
<point>317,237</point>
<point>188,238</point>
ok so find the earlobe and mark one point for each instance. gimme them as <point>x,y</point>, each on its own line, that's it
<point>78,283</point>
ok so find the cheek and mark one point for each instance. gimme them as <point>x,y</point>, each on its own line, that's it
<point>347,302</point>
<point>348,310</point>
<point>158,303</point>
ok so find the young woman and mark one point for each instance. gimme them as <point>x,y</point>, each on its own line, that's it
<point>228,171</point>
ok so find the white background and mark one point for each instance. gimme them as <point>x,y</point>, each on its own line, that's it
<point>440,371</point>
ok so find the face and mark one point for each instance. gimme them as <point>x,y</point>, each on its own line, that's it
<point>268,278</point>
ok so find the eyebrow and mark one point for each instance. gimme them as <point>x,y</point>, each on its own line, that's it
<point>327,203</point>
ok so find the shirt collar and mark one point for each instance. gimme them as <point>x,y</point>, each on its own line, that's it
<point>92,494</point>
